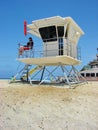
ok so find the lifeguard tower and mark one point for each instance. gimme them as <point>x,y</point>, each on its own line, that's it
<point>59,49</point>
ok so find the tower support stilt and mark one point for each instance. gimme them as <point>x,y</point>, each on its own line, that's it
<point>70,76</point>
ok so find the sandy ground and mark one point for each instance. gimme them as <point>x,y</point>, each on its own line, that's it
<point>25,107</point>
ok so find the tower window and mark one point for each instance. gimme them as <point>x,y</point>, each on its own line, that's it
<point>48,33</point>
<point>60,30</point>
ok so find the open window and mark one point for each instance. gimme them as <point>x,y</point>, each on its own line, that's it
<point>60,30</point>
<point>48,33</point>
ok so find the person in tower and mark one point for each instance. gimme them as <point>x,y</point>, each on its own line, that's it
<point>29,46</point>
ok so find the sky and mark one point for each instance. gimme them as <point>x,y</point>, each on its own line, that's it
<point>14,12</point>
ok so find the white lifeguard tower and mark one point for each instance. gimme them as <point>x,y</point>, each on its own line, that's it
<point>60,36</point>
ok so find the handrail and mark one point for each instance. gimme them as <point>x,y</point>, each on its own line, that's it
<point>42,50</point>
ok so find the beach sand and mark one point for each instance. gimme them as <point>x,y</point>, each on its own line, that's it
<point>26,107</point>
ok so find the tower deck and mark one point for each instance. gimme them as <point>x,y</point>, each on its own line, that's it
<point>51,61</point>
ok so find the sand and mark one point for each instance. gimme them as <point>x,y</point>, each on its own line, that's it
<point>25,107</point>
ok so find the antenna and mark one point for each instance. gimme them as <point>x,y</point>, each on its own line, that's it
<point>97,54</point>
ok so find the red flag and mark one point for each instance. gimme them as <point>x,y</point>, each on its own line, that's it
<point>25,28</point>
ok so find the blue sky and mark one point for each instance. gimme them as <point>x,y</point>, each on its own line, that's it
<point>14,12</point>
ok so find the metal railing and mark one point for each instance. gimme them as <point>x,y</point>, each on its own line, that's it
<point>44,50</point>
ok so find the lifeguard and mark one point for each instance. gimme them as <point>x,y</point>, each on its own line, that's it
<point>26,47</point>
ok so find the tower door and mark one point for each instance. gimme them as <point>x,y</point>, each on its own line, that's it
<point>60,30</point>
<point>60,44</point>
